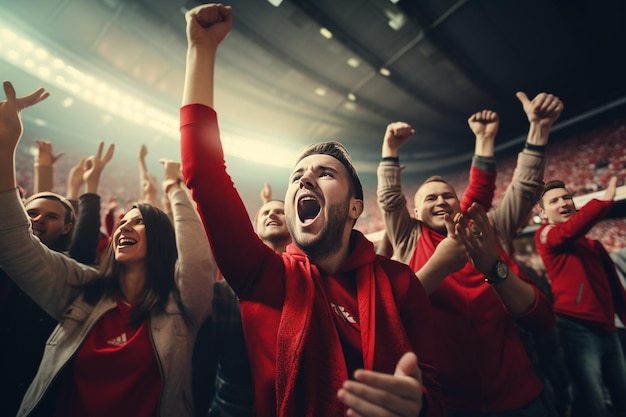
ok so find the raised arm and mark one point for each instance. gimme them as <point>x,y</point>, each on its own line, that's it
<point>195,267</point>
<point>44,166</point>
<point>147,181</point>
<point>399,223</point>
<point>266,193</point>
<point>230,231</point>
<point>42,273</point>
<point>207,27</point>
<point>11,131</point>
<point>557,235</point>
<point>523,192</point>
<point>75,180</point>
<point>542,111</point>
<point>86,236</point>
<point>482,178</point>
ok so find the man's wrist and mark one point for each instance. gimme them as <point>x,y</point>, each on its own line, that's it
<point>535,148</point>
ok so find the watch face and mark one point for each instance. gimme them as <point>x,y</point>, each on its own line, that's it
<point>502,270</point>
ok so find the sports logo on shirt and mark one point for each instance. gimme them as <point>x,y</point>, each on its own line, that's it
<point>118,341</point>
<point>341,312</point>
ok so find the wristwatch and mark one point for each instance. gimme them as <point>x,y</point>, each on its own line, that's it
<point>499,272</point>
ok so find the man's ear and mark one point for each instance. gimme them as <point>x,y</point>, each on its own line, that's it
<point>67,228</point>
<point>541,211</point>
<point>417,213</point>
<point>356,208</point>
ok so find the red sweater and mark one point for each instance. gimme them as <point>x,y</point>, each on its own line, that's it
<point>482,362</point>
<point>483,365</point>
<point>584,281</point>
<point>296,354</point>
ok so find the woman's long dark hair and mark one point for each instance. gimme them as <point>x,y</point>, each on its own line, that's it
<point>161,256</point>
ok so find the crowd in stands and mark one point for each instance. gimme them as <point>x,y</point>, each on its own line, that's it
<point>589,159</point>
<point>586,161</point>
<point>450,323</point>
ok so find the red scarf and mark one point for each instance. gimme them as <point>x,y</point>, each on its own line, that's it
<point>312,367</point>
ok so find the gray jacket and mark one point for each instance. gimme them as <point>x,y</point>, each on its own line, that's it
<point>50,279</point>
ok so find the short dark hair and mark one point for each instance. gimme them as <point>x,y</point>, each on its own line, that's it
<point>340,153</point>
<point>550,185</point>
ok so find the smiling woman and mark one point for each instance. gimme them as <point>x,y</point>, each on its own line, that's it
<point>127,329</point>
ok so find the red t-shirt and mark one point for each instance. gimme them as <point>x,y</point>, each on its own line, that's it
<point>115,371</point>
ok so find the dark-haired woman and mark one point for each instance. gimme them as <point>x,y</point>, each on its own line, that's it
<point>126,331</point>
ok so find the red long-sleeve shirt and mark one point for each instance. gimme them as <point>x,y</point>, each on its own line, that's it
<point>483,365</point>
<point>584,280</point>
<point>297,355</point>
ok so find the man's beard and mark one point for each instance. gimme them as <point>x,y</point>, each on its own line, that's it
<point>329,240</point>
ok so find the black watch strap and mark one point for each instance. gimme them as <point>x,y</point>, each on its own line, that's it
<point>499,273</point>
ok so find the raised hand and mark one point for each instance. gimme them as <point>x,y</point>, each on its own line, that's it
<point>374,393</point>
<point>149,188</point>
<point>266,193</point>
<point>147,181</point>
<point>478,238</point>
<point>45,157</point>
<point>396,134</point>
<point>544,109</point>
<point>173,174</point>
<point>75,179</point>
<point>484,124</point>
<point>143,151</point>
<point>451,251</point>
<point>208,23</point>
<point>94,166</point>
<point>10,109</point>
<point>449,256</point>
<point>609,194</point>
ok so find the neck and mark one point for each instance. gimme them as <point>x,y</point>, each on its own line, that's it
<point>132,281</point>
<point>332,261</point>
<point>279,246</point>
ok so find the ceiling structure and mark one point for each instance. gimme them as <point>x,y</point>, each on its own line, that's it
<point>281,85</point>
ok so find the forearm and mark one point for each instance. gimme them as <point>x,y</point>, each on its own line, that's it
<point>482,183</point>
<point>7,171</point>
<point>399,224</point>
<point>520,196</point>
<point>389,152</point>
<point>73,191</point>
<point>87,230</point>
<point>91,185</point>
<point>150,198</point>
<point>199,75</point>
<point>538,134</point>
<point>431,275</point>
<point>483,146</point>
<point>196,269</point>
<point>43,179</point>
<point>517,295</point>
